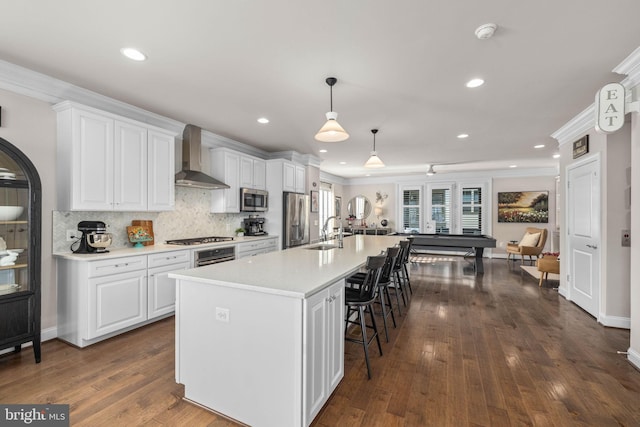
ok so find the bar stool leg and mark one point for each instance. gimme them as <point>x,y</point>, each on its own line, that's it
<point>365,341</point>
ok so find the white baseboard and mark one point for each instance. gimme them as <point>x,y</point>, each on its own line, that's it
<point>615,322</point>
<point>633,357</point>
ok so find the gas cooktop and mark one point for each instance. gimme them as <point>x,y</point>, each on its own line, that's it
<point>198,240</point>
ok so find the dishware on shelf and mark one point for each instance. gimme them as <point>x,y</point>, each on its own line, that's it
<point>10,213</point>
<point>138,234</point>
<point>9,287</point>
<point>8,259</point>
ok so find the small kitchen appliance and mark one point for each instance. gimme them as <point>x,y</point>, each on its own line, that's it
<point>254,226</point>
<point>94,239</point>
<point>253,200</point>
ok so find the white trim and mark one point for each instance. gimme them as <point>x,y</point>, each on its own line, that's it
<point>633,357</point>
<point>615,321</point>
<point>630,67</point>
<point>575,128</point>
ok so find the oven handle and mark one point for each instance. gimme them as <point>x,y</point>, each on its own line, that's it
<point>215,261</point>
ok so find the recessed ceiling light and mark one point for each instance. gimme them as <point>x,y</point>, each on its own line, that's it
<point>133,53</point>
<point>463,136</point>
<point>539,146</point>
<point>513,166</point>
<point>343,163</point>
<point>475,83</point>
<point>323,151</point>
<point>368,174</point>
<point>263,120</point>
<point>556,156</point>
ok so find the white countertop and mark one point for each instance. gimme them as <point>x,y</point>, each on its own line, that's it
<point>296,272</point>
<point>153,249</point>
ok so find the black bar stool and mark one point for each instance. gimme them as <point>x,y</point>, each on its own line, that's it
<point>406,248</point>
<point>356,280</point>
<point>361,300</point>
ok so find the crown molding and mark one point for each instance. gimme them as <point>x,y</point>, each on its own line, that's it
<point>577,127</point>
<point>630,67</point>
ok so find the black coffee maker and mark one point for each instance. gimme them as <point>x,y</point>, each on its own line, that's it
<point>254,227</point>
<point>94,239</point>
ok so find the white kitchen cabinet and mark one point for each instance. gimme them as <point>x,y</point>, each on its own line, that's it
<point>257,247</point>
<point>102,298</point>
<point>161,290</point>
<point>130,167</point>
<point>225,166</point>
<point>110,163</point>
<point>285,175</point>
<point>161,171</point>
<point>253,172</point>
<point>116,302</point>
<point>323,342</point>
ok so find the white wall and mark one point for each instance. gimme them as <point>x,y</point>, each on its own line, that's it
<point>614,151</point>
<point>388,205</point>
<point>634,270</point>
<point>30,125</point>
<point>504,232</point>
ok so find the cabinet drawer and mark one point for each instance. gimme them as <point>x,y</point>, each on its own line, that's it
<point>117,265</point>
<point>167,258</point>
<point>251,246</point>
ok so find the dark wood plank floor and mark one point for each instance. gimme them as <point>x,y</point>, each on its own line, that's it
<point>491,350</point>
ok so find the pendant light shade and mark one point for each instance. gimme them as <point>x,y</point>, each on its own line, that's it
<point>374,161</point>
<point>331,131</point>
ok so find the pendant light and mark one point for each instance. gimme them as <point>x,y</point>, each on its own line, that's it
<point>374,161</point>
<point>331,131</point>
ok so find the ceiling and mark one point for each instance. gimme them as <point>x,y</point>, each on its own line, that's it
<point>401,68</point>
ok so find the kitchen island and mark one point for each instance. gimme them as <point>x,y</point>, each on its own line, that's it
<point>261,340</point>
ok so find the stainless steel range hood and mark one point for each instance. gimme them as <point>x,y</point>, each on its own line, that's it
<point>191,174</point>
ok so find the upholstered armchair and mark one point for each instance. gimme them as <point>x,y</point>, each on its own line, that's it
<point>531,244</point>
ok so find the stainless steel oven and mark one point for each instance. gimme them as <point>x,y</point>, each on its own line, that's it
<point>214,255</point>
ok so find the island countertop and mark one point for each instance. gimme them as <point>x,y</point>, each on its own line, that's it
<point>297,272</point>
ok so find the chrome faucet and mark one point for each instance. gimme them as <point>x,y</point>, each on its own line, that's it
<point>325,233</point>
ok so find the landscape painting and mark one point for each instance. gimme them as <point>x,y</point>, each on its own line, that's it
<point>523,206</point>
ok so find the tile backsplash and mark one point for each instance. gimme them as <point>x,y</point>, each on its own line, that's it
<point>191,218</point>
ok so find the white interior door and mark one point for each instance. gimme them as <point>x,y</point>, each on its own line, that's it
<point>583,231</point>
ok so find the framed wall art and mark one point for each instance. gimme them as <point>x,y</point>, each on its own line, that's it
<point>523,206</point>
<point>314,201</point>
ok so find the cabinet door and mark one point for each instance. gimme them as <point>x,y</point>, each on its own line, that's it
<point>92,163</point>
<point>162,290</point>
<point>130,167</point>
<point>161,171</point>
<point>315,391</point>
<point>300,179</point>
<point>335,336</point>
<point>246,172</point>
<point>259,174</point>
<point>225,166</point>
<point>116,302</point>
<point>288,177</point>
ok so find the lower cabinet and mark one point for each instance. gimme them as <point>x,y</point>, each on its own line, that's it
<point>323,365</point>
<point>247,249</point>
<point>116,302</point>
<point>100,299</point>
<point>161,296</point>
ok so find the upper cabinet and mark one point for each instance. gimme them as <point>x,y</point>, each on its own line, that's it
<point>107,162</point>
<point>253,172</point>
<point>238,171</point>
<point>292,175</point>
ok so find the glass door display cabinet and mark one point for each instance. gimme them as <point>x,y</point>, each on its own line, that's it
<point>20,223</point>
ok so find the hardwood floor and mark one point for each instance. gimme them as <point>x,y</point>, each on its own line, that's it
<point>491,350</point>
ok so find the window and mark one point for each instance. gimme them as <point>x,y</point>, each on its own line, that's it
<point>471,210</point>
<point>326,206</point>
<point>411,210</point>
<point>441,209</point>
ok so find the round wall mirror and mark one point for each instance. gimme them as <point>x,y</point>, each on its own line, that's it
<point>359,206</point>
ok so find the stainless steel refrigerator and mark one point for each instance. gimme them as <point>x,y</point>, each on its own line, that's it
<point>296,219</point>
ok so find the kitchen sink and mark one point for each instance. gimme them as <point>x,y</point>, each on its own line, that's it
<point>322,247</point>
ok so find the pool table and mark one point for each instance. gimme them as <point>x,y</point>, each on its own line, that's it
<point>477,243</point>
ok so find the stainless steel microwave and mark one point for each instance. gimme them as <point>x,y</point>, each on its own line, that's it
<point>252,200</point>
